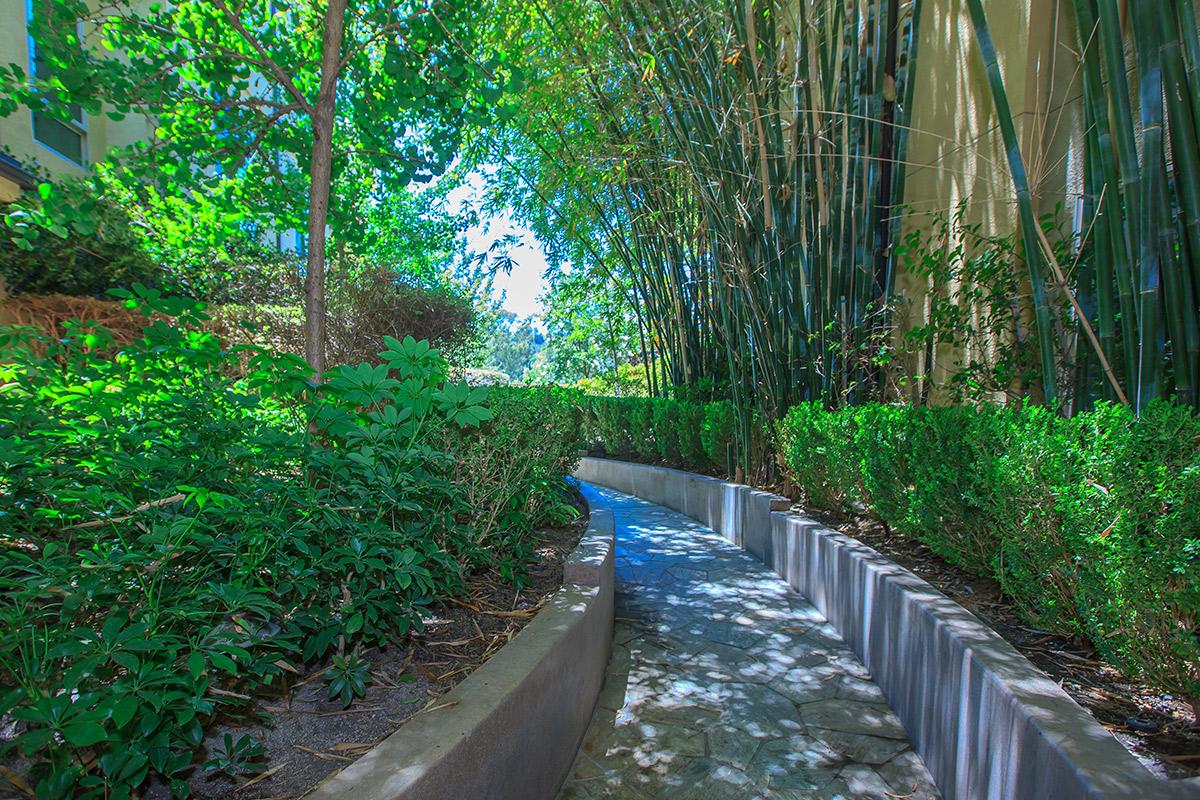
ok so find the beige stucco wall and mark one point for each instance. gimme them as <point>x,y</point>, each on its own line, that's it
<point>9,190</point>
<point>16,130</point>
<point>955,152</point>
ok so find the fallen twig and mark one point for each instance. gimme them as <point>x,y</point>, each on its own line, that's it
<point>261,777</point>
<point>96,523</point>
<point>348,711</point>
<point>322,756</point>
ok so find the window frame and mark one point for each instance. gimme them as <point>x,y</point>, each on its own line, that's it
<point>77,126</point>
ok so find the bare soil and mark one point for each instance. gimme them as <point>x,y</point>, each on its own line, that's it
<point>1154,726</point>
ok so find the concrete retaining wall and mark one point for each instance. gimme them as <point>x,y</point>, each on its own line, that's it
<point>986,721</point>
<point>515,723</point>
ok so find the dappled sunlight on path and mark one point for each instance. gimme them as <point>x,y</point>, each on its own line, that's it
<point>724,683</point>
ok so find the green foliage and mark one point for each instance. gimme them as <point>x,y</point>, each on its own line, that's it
<point>591,335</point>
<point>347,678</point>
<point>80,260</point>
<point>608,429</point>
<point>232,89</point>
<point>629,381</point>
<point>682,433</point>
<point>187,524</point>
<point>511,345</point>
<point>511,471</point>
<point>655,169</point>
<point>717,436</point>
<point>245,756</point>
<point>828,472</point>
<point>1089,524</point>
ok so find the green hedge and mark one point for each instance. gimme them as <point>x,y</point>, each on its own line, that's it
<point>1091,525</point>
<point>696,436</point>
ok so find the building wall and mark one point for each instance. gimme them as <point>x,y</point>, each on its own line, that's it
<point>955,153</point>
<point>16,130</point>
<point>9,190</point>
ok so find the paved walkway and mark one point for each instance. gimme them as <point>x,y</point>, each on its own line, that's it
<point>724,683</point>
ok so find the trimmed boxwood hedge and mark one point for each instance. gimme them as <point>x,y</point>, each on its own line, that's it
<point>1091,525</point>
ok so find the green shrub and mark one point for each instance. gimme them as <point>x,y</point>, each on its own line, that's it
<point>638,414</point>
<point>680,433</point>
<point>953,454</point>
<point>1145,613</point>
<point>187,524</point>
<point>667,419</point>
<point>511,471</point>
<point>822,457</point>
<point>717,436</point>
<point>689,428</point>
<point>609,431</point>
<point>1089,524</point>
<point>881,443</point>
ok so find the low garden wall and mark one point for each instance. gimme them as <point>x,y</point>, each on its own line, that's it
<point>511,729</point>
<point>987,723</point>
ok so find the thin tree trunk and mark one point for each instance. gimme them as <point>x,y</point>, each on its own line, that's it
<point>612,346</point>
<point>319,174</point>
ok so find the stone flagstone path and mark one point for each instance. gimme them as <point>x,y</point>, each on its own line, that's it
<point>724,683</point>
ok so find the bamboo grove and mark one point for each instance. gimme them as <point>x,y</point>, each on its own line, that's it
<point>740,166</point>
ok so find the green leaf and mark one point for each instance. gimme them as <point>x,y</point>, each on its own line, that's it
<point>223,662</point>
<point>84,734</point>
<point>196,663</point>
<point>124,709</point>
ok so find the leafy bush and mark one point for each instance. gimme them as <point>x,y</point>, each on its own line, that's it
<point>365,305</point>
<point>666,422</point>
<point>683,433</point>
<point>511,471</point>
<point>638,415</point>
<point>187,525</point>
<point>98,252</point>
<point>690,431</point>
<point>717,436</point>
<point>1089,524</point>
<point>608,430</point>
<point>828,471</point>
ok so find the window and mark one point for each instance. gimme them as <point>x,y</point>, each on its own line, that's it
<point>67,138</point>
<point>63,138</point>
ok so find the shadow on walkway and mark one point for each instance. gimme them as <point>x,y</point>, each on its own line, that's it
<point>724,683</point>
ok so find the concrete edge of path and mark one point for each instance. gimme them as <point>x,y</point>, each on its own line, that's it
<point>987,723</point>
<point>511,729</point>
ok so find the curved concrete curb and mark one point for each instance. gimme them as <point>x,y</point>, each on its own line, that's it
<point>511,729</point>
<point>987,723</point>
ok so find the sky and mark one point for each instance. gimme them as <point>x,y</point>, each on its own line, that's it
<point>520,290</point>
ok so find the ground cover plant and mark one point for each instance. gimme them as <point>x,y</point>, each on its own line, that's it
<point>187,526</point>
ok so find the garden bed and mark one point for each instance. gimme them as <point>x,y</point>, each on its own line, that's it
<point>1154,726</point>
<point>307,737</point>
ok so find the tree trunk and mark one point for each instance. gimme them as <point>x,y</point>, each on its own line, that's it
<point>320,170</point>
<point>612,345</point>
